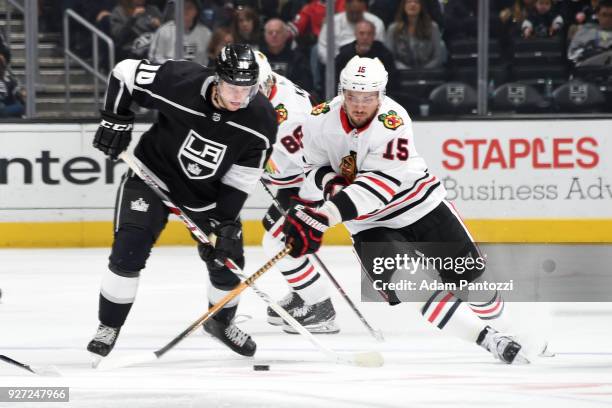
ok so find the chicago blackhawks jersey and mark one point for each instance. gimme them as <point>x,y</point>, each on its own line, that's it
<point>285,168</point>
<point>390,183</point>
<point>207,158</point>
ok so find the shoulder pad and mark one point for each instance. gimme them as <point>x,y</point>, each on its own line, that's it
<point>281,113</point>
<point>320,108</point>
<point>391,120</point>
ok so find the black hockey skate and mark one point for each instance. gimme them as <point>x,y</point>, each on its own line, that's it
<point>502,346</point>
<point>289,302</point>
<point>104,340</point>
<point>317,319</point>
<point>223,329</point>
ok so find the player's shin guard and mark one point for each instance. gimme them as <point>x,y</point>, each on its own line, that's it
<point>117,294</point>
<point>301,275</point>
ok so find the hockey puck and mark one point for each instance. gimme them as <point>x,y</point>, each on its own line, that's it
<point>261,367</point>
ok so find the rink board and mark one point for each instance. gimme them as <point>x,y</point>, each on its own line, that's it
<point>512,181</point>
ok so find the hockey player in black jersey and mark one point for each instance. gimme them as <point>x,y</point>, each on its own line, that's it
<point>208,147</point>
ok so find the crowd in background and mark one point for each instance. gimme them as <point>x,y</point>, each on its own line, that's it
<point>405,35</point>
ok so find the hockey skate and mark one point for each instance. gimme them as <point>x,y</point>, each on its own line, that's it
<point>289,302</point>
<point>222,328</point>
<point>502,346</point>
<point>317,319</point>
<point>103,342</point>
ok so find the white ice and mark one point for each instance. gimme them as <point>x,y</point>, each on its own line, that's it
<point>49,313</point>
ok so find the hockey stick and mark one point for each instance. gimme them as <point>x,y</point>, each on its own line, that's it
<point>157,354</point>
<point>362,359</point>
<point>377,334</point>
<point>47,371</point>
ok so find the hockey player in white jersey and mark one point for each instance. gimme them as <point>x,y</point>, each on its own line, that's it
<point>308,299</point>
<point>366,173</point>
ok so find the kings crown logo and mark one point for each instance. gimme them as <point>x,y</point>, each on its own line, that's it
<point>391,120</point>
<point>194,169</point>
<point>139,205</point>
<point>281,113</point>
<point>320,108</point>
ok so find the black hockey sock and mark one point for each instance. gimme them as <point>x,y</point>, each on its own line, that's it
<point>113,314</point>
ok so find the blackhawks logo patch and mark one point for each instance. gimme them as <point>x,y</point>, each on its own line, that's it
<point>320,108</point>
<point>281,113</point>
<point>391,120</point>
<point>348,166</point>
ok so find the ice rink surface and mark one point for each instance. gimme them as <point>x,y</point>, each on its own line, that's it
<point>49,313</point>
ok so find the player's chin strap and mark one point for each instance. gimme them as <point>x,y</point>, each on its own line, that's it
<point>377,334</point>
<point>369,359</point>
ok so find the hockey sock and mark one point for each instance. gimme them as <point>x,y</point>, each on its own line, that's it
<point>300,274</point>
<point>304,279</point>
<point>491,309</point>
<point>452,315</point>
<point>216,294</point>
<point>117,294</point>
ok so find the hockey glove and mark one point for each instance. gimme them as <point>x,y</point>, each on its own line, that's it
<point>228,244</point>
<point>334,186</point>
<point>114,134</point>
<point>303,229</point>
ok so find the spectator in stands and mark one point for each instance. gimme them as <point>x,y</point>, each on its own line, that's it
<point>386,10</point>
<point>307,23</point>
<point>133,23</point>
<point>344,27</point>
<point>220,38</point>
<point>414,39</point>
<point>512,17</point>
<point>366,46</point>
<point>543,21</point>
<point>5,51</point>
<point>195,40</point>
<point>580,12</point>
<point>265,9</point>
<point>461,19</point>
<point>217,13</point>
<point>282,58</point>
<point>11,94</point>
<point>245,27</point>
<point>591,39</point>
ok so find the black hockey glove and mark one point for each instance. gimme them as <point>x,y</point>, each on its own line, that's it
<point>303,229</point>
<point>334,186</point>
<point>114,134</point>
<point>228,244</point>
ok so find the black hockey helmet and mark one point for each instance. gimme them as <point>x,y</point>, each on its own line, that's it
<point>236,65</point>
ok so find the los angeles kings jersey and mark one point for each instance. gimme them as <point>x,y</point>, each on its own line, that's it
<point>285,168</point>
<point>206,157</point>
<point>390,183</point>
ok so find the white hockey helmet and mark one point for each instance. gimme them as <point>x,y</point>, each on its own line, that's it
<point>266,75</point>
<point>363,75</point>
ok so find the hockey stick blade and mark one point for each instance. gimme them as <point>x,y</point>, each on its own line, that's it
<point>364,359</point>
<point>46,371</point>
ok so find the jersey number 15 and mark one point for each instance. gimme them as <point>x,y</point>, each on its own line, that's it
<point>400,146</point>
